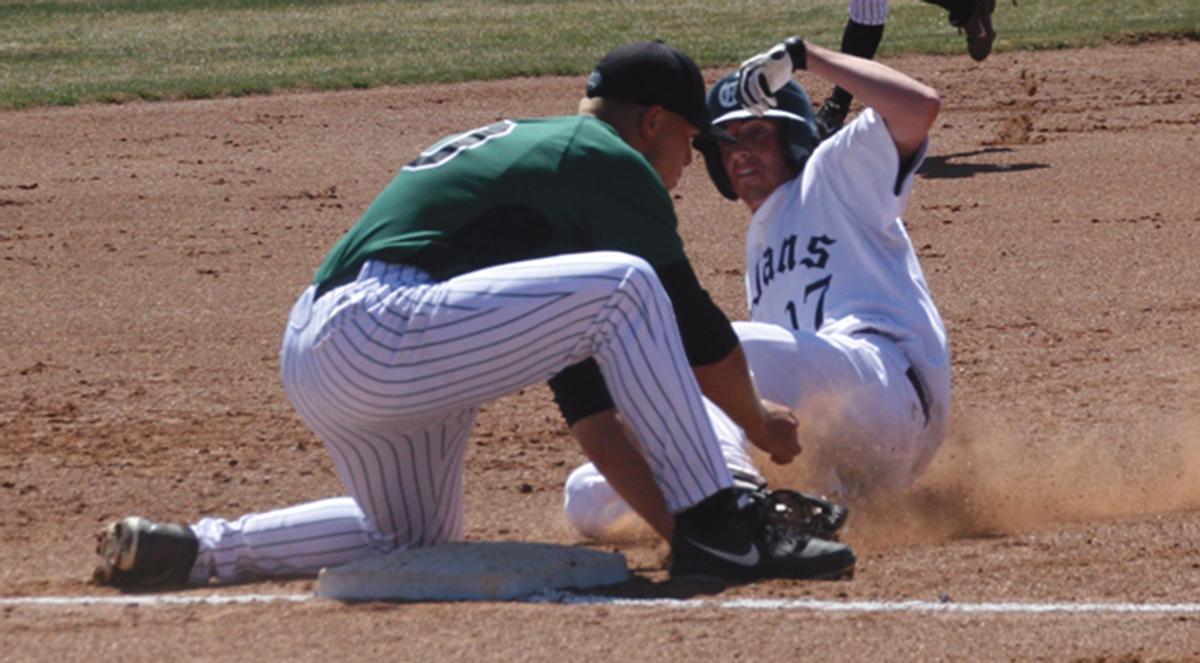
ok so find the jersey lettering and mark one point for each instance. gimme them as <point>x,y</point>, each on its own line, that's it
<point>791,311</point>
<point>453,146</point>
<point>767,268</point>
<point>814,247</point>
<point>787,254</point>
<point>823,286</point>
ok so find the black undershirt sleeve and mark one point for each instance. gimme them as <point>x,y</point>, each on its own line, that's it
<point>579,391</point>
<point>708,337</point>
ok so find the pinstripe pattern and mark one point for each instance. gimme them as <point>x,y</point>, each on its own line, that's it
<point>869,12</point>
<point>388,371</point>
<point>287,542</point>
<point>594,508</point>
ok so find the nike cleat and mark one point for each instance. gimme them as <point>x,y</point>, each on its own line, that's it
<point>729,536</point>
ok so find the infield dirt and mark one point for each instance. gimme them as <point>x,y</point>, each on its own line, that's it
<point>150,253</point>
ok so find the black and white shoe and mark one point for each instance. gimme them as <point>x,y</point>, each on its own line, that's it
<point>830,117</point>
<point>978,26</point>
<point>730,536</point>
<point>139,554</point>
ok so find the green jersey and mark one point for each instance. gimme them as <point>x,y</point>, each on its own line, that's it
<point>515,190</point>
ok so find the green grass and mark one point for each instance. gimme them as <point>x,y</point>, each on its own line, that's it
<point>76,51</point>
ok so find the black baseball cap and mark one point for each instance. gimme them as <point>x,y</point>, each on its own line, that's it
<point>654,74</point>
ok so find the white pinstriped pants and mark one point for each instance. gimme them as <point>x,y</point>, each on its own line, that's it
<point>861,423</point>
<point>869,12</point>
<point>388,371</point>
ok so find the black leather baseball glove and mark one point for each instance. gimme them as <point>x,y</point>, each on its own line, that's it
<point>800,513</point>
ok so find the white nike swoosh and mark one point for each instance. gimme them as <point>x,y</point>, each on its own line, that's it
<point>747,559</point>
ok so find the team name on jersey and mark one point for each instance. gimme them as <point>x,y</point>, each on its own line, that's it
<point>774,262</point>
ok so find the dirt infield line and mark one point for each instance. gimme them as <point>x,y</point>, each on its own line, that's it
<point>568,598</point>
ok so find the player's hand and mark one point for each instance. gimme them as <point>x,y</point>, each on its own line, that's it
<point>778,434</point>
<point>760,76</point>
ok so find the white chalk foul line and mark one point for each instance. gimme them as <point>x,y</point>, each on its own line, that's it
<point>817,605</point>
<point>568,598</point>
<point>154,599</point>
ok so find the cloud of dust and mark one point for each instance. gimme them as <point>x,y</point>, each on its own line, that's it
<point>985,482</point>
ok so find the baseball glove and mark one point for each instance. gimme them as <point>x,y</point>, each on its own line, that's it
<point>800,513</point>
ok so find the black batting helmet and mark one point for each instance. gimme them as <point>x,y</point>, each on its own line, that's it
<point>793,107</point>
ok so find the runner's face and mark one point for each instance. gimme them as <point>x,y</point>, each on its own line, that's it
<point>755,164</point>
<point>670,148</point>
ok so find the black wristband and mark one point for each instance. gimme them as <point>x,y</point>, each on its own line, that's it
<point>797,51</point>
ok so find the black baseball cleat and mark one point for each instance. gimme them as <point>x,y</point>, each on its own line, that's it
<point>830,117</point>
<point>979,29</point>
<point>734,536</point>
<point>139,554</point>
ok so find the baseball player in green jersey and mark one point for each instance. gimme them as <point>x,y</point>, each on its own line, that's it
<point>504,256</point>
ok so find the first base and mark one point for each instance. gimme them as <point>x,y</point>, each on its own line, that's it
<point>487,571</point>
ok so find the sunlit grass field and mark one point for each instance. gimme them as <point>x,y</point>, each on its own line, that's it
<point>70,52</point>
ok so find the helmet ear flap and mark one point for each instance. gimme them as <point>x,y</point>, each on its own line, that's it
<point>711,151</point>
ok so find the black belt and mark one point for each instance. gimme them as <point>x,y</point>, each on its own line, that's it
<point>913,376</point>
<point>915,379</point>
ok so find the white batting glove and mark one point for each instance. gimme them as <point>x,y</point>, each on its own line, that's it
<point>760,76</point>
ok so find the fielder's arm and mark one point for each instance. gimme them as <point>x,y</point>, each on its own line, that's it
<point>716,357</point>
<point>612,449</point>
<point>768,426</point>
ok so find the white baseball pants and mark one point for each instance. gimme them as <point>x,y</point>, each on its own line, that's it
<point>863,428</point>
<point>389,370</point>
